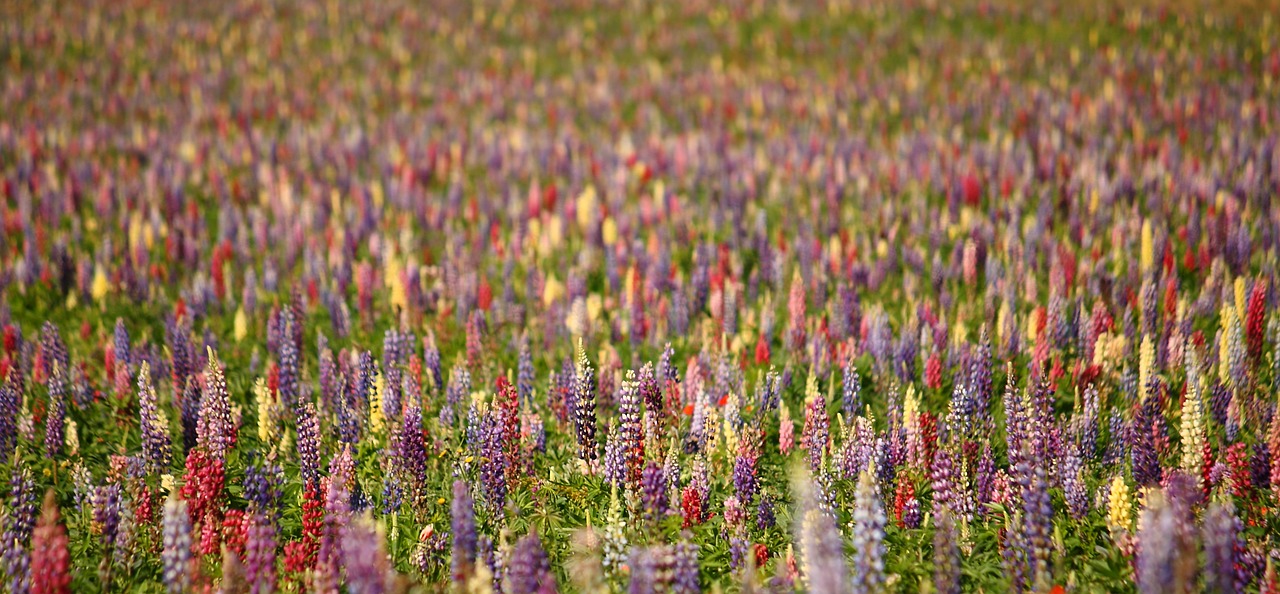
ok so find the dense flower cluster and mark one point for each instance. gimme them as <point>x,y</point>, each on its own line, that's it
<point>829,297</point>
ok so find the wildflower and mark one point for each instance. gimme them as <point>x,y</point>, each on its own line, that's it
<point>18,524</point>
<point>868,535</point>
<point>946,555</point>
<point>55,423</point>
<point>615,536</point>
<point>1192,431</point>
<point>1222,547</point>
<point>906,508</point>
<point>851,392</point>
<point>796,311</point>
<point>684,570</point>
<point>260,555</point>
<point>1073,488</point>
<point>585,405</point>
<point>177,545</point>
<point>50,561</point>
<point>1166,561</point>
<point>815,438</point>
<point>464,533</point>
<point>214,428</point>
<point>308,443</point>
<point>945,489</point>
<point>155,428</point>
<point>300,555</point>
<point>530,569</point>
<point>629,428</point>
<point>202,492</point>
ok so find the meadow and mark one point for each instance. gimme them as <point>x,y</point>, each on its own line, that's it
<point>624,296</point>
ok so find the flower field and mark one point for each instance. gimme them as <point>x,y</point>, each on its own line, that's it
<point>834,296</point>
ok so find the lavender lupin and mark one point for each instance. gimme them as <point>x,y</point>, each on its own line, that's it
<point>176,556</point>
<point>1222,547</point>
<point>464,533</point>
<point>18,524</point>
<point>946,555</point>
<point>55,424</point>
<point>852,390</point>
<point>585,405</point>
<point>684,570</point>
<point>156,445</point>
<point>653,492</point>
<point>10,407</point>
<point>530,569</point>
<point>214,429</point>
<point>868,535</point>
<point>308,443</point>
<point>365,558</point>
<point>260,555</point>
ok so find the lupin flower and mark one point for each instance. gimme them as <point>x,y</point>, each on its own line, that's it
<point>868,535</point>
<point>308,443</point>
<point>191,406</point>
<point>943,476</point>
<point>615,466</point>
<point>120,343</point>
<point>10,408</point>
<point>821,547</point>
<point>906,508</point>
<point>177,545</point>
<point>1222,547</point>
<point>745,472</point>
<point>1037,512</point>
<point>796,313</point>
<point>55,423</point>
<point>984,479</point>
<point>946,554</point>
<point>260,555</point>
<point>815,437</point>
<point>851,392</point>
<point>1146,463</point>
<point>530,569</point>
<point>1073,487</point>
<point>464,533</point>
<point>615,536</point>
<point>18,524</point>
<point>1255,315</point>
<point>202,491</point>
<point>413,452</point>
<point>337,515</point>
<point>300,555</point>
<point>1273,447</point>
<point>1192,431</point>
<point>493,472</point>
<point>50,561</point>
<point>690,507</point>
<point>215,431</point>
<point>263,489</point>
<point>786,430</point>
<point>585,406</point>
<point>1165,562</point>
<point>155,428</point>
<point>684,569</point>
<point>1119,508</point>
<point>629,428</point>
<point>643,565</point>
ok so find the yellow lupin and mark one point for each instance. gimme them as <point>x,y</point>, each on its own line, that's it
<point>240,326</point>
<point>100,284</point>
<point>1120,506</point>
<point>262,397</point>
<point>1146,361</point>
<point>1147,255</point>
